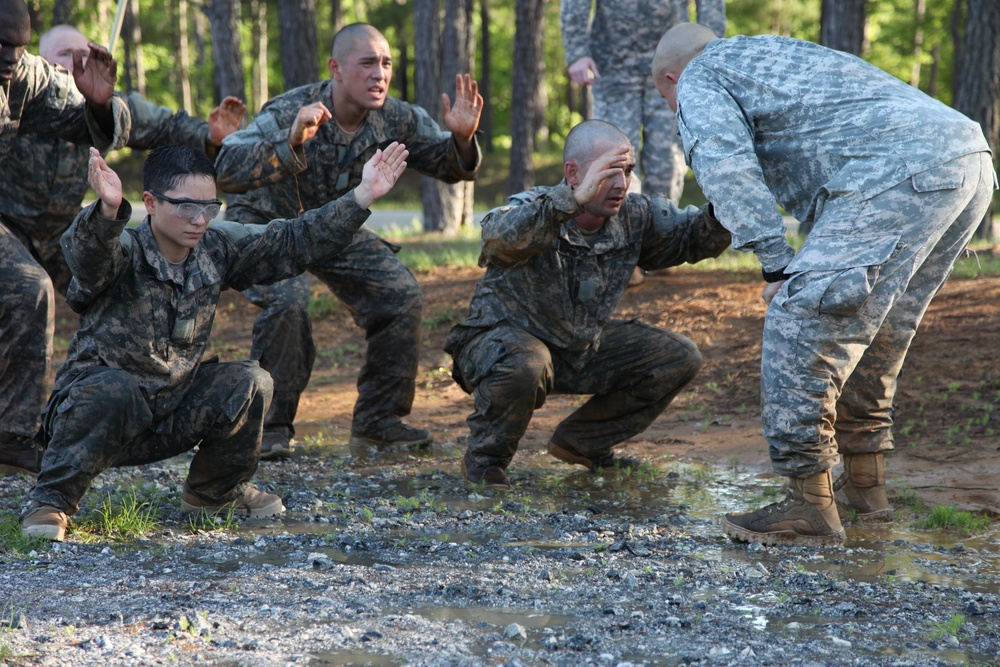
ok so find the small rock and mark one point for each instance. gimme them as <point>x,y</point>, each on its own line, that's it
<point>974,608</point>
<point>838,642</point>
<point>515,631</point>
<point>550,642</point>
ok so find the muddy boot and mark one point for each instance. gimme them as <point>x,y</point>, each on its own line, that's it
<point>860,489</point>
<point>806,517</point>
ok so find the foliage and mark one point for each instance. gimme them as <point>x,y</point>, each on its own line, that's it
<point>948,518</point>
<point>123,516</point>
<point>13,542</point>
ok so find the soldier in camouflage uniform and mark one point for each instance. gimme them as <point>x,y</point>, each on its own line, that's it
<point>557,262</point>
<point>292,159</point>
<point>36,98</point>
<point>895,184</point>
<point>611,50</point>
<point>42,184</point>
<point>135,387</point>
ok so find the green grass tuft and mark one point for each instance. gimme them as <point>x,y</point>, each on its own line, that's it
<point>946,517</point>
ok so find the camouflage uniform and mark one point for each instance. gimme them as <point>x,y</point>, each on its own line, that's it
<point>382,295</point>
<point>41,100</point>
<point>895,184</point>
<point>135,387</point>
<point>621,38</point>
<point>539,321</point>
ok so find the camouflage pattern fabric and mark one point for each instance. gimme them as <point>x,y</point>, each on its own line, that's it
<point>138,355</point>
<point>621,37</point>
<point>41,99</point>
<point>894,184</point>
<point>382,295</point>
<point>540,320</point>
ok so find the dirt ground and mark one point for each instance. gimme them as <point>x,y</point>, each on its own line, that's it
<point>947,422</point>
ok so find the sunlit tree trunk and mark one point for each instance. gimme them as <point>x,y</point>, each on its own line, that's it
<point>920,10</point>
<point>486,77</point>
<point>182,63</point>
<point>258,9</point>
<point>135,71</point>
<point>427,87</point>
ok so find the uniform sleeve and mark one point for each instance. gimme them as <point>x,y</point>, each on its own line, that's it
<point>718,142</point>
<point>54,107</point>
<point>433,151</point>
<point>674,235</point>
<point>574,21</point>
<point>287,248</point>
<point>94,252</point>
<point>526,225</point>
<point>260,154</point>
<point>154,126</point>
<point>712,13</point>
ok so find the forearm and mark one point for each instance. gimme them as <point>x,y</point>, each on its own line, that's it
<point>527,225</point>
<point>677,235</point>
<point>91,245</point>
<point>154,126</point>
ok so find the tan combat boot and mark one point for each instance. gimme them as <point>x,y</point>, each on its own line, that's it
<point>807,517</point>
<point>861,489</point>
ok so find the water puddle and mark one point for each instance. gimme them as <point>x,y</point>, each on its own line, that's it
<point>354,659</point>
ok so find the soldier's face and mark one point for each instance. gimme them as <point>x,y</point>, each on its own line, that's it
<point>60,49</point>
<point>14,38</point>
<point>176,235</point>
<point>365,72</point>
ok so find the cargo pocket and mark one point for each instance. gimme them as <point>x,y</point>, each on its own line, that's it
<point>946,177</point>
<point>832,279</point>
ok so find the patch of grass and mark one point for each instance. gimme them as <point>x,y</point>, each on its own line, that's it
<point>447,315</point>
<point>13,542</point>
<point>123,516</point>
<point>430,251</point>
<point>204,522</point>
<point>323,305</point>
<point>949,627</point>
<point>946,517</point>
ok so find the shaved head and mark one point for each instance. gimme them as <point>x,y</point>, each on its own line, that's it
<point>348,38</point>
<point>590,139</point>
<point>58,44</point>
<point>679,46</point>
<point>15,15</point>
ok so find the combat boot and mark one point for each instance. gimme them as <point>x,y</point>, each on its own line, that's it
<point>807,517</point>
<point>44,521</point>
<point>860,489</point>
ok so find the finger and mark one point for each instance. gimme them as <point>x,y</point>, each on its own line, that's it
<point>77,62</point>
<point>445,104</point>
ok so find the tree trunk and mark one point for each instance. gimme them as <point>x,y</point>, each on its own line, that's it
<point>297,21</point>
<point>200,21</point>
<point>258,87</point>
<point>979,90</point>
<point>427,90</point>
<point>401,70</point>
<point>486,77</point>
<point>919,10</point>
<point>958,42</point>
<point>842,25</point>
<point>458,52</point>
<point>103,8</point>
<point>527,56</point>
<point>135,71</point>
<point>182,64</point>
<point>223,21</point>
<point>336,15</point>
<point>61,11</point>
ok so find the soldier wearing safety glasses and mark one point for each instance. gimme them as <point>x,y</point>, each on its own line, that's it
<point>135,387</point>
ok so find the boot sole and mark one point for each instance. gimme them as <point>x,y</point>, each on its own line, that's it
<point>781,537</point>
<point>274,509</point>
<point>362,443</point>
<point>48,532</point>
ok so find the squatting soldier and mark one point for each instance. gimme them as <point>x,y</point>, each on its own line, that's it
<point>37,98</point>
<point>895,184</point>
<point>42,184</point>
<point>135,388</point>
<point>557,262</point>
<point>291,159</point>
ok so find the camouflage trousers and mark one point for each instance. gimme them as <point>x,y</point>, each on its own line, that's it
<point>837,333</point>
<point>633,376</point>
<point>101,420</point>
<point>632,104</point>
<point>384,299</point>
<point>27,324</point>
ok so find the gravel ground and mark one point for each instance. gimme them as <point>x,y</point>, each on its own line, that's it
<point>394,562</point>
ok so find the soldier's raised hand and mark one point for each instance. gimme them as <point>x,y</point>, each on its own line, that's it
<point>380,173</point>
<point>105,182</point>
<point>610,164</point>
<point>307,123</point>
<point>225,119</point>
<point>96,78</point>
<point>583,71</point>
<point>462,118</point>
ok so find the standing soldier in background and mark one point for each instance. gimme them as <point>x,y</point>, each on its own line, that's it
<point>38,98</point>
<point>291,159</point>
<point>611,53</point>
<point>42,185</point>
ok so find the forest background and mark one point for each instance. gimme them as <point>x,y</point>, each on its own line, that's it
<point>188,54</point>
